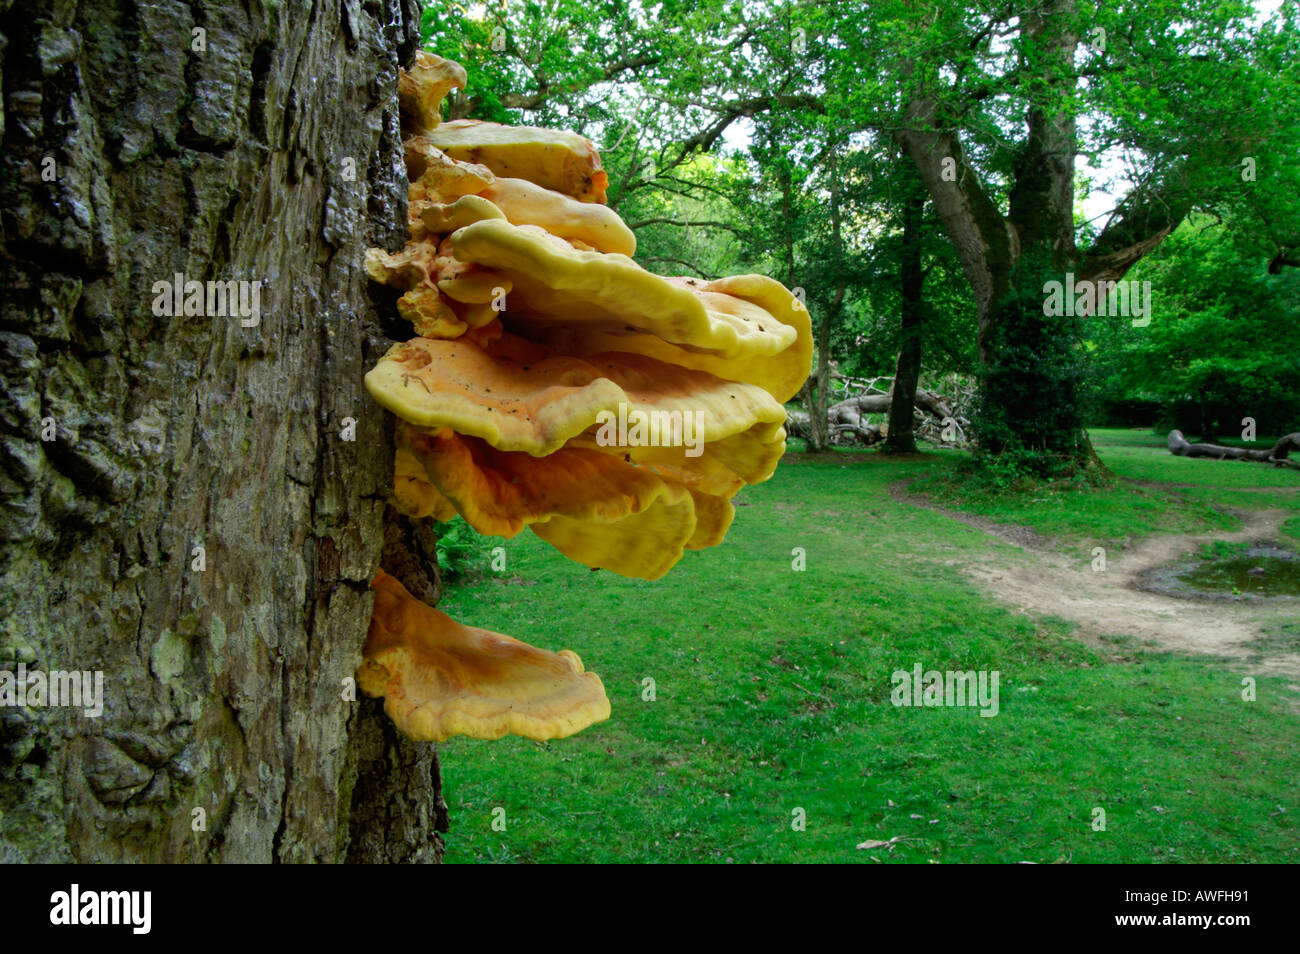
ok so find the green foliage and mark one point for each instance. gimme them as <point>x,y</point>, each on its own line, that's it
<point>1177,93</point>
<point>715,244</point>
<point>996,476</point>
<point>1223,342</point>
<point>458,546</point>
<point>719,123</point>
<point>867,341</point>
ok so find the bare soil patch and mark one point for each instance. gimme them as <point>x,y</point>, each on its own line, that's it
<point>1043,581</point>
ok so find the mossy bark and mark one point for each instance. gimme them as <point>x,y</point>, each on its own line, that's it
<point>225,140</point>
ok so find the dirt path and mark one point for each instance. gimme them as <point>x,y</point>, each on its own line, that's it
<point>1045,582</point>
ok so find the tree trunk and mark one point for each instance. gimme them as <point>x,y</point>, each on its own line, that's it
<point>901,437</point>
<point>819,433</point>
<point>1038,228</point>
<point>787,219</point>
<point>1209,426</point>
<point>226,140</point>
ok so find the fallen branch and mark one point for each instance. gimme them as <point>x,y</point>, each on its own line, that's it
<point>847,419</point>
<point>1276,455</point>
<point>879,404</point>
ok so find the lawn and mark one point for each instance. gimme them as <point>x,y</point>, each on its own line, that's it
<point>771,690</point>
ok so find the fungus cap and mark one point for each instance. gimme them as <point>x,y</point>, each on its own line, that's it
<point>501,492</point>
<point>439,678</point>
<point>429,313</point>
<point>443,218</point>
<point>480,286</point>
<point>646,544</point>
<point>437,177</point>
<point>781,374</point>
<point>525,203</point>
<point>420,90</point>
<point>595,508</point>
<point>413,495</point>
<point>561,161</point>
<point>558,285</point>
<point>518,395</point>
<point>713,516</point>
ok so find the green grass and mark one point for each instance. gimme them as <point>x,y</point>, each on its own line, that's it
<point>1143,455</point>
<point>1154,492</point>
<point>1223,550</point>
<point>772,693</point>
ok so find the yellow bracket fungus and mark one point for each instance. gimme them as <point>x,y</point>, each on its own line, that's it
<point>439,678</point>
<point>563,162</point>
<point>553,384</point>
<point>421,89</point>
<point>466,210</point>
<point>596,226</point>
<point>555,284</point>
<point>517,395</point>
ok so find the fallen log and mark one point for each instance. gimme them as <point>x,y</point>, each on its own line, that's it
<point>1276,455</point>
<point>927,401</point>
<point>849,416</point>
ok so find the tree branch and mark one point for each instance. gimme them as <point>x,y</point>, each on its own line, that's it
<point>665,221</point>
<point>986,246</point>
<point>703,140</point>
<point>1280,260</point>
<point>536,100</point>
<point>1143,223</point>
<point>678,261</point>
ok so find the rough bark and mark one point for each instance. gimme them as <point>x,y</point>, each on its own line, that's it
<point>1278,454</point>
<point>273,155</point>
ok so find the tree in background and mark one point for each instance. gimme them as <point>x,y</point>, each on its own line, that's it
<point>1196,100</point>
<point>993,103</point>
